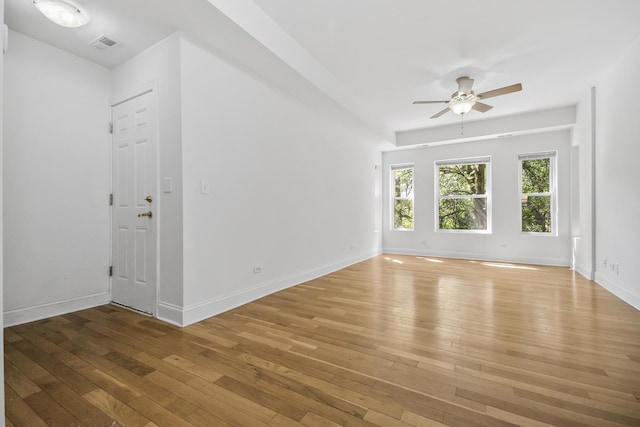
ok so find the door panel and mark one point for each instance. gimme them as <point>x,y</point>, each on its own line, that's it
<point>134,176</point>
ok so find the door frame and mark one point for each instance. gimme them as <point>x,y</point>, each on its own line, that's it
<point>120,98</point>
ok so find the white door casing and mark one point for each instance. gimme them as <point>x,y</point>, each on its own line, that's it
<point>134,216</point>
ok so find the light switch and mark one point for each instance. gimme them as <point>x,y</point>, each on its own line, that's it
<point>167,185</point>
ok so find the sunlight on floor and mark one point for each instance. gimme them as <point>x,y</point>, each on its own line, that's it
<point>439,261</point>
<point>501,265</point>
<point>397,261</point>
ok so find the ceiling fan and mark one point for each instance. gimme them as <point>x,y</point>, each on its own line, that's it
<point>464,100</point>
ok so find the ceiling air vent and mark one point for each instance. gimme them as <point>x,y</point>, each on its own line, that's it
<point>102,43</point>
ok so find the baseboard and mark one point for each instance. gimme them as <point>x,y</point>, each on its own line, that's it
<point>585,271</point>
<point>30,314</point>
<point>188,315</point>
<point>481,257</point>
<point>170,313</point>
<point>622,293</point>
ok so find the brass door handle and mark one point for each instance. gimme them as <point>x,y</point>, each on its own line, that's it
<point>148,199</point>
<point>149,214</point>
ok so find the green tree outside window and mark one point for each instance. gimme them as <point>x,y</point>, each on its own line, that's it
<point>537,195</point>
<point>402,198</point>
<point>462,195</point>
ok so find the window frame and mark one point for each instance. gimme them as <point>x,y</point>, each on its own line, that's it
<point>552,193</point>
<point>487,196</point>
<point>393,198</point>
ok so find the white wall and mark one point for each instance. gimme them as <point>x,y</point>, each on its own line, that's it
<point>583,224</point>
<point>303,204</point>
<point>617,194</point>
<point>505,243</point>
<point>290,190</point>
<point>160,65</point>
<point>1,220</point>
<point>56,182</point>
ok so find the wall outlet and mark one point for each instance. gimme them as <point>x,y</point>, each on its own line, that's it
<point>257,269</point>
<point>167,185</point>
<point>204,186</point>
<point>605,263</point>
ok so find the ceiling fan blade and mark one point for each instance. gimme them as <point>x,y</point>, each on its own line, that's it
<point>430,102</point>
<point>502,91</point>
<point>483,108</point>
<point>435,116</point>
<point>464,85</point>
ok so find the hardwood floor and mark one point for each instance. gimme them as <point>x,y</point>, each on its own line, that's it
<point>393,341</point>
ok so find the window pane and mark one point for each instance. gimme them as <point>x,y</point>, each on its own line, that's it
<point>536,214</point>
<point>463,179</point>
<point>463,214</point>
<point>403,214</point>
<point>535,175</point>
<point>403,182</point>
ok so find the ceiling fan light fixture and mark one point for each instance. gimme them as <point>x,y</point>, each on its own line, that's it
<point>462,104</point>
<point>62,13</point>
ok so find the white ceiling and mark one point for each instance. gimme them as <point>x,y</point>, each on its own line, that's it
<point>374,57</point>
<point>133,29</point>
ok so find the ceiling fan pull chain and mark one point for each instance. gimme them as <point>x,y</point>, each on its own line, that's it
<point>461,124</point>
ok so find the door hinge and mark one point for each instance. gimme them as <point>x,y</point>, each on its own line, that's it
<point>111,127</point>
<point>110,270</point>
<point>111,199</point>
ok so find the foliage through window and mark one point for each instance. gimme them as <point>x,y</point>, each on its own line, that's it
<point>402,188</point>
<point>537,192</point>
<point>462,191</point>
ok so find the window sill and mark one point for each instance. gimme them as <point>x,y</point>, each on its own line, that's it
<point>538,234</point>
<point>438,230</point>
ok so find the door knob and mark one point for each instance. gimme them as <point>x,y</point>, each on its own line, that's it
<point>149,214</point>
<point>148,199</point>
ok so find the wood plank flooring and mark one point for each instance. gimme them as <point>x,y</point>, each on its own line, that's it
<point>392,341</point>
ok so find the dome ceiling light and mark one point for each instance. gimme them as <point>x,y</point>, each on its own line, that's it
<point>62,13</point>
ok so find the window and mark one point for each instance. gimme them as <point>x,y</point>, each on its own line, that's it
<point>402,190</point>
<point>537,192</point>
<point>463,194</point>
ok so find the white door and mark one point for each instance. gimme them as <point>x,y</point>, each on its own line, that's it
<point>134,231</point>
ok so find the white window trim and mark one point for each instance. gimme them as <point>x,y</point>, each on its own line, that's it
<point>393,197</point>
<point>487,195</point>
<point>553,191</point>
